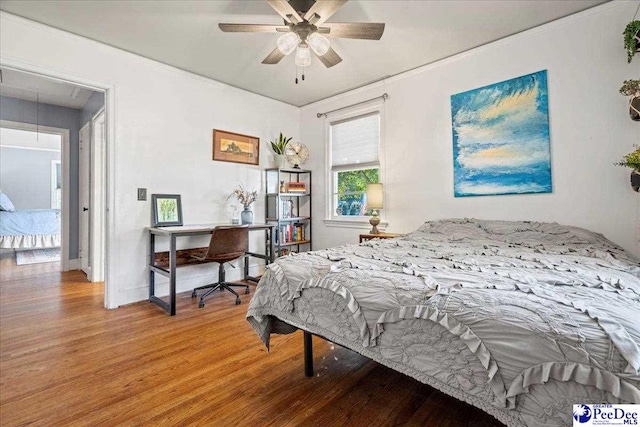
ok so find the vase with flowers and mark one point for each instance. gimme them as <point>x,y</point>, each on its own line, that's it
<point>245,197</point>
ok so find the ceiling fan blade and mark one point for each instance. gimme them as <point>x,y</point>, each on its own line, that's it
<point>285,10</point>
<point>274,57</point>
<point>356,30</point>
<point>251,28</point>
<point>324,9</point>
<point>330,58</point>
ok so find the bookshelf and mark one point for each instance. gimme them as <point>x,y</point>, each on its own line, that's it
<point>288,202</point>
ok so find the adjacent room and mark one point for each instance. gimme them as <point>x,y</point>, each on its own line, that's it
<point>319,212</point>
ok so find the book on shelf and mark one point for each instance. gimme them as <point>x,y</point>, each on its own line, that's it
<point>296,187</point>
<point>290,233</point>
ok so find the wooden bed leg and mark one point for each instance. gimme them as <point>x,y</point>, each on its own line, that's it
<point>308,354</point>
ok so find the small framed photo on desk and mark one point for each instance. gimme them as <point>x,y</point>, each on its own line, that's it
<point>167,210</point>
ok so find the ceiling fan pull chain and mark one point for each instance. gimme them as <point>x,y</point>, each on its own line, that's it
<point>296,74</point>
<point>303,73</point>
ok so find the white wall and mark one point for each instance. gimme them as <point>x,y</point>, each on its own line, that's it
<point>590,130</point>
<point>162,138</point>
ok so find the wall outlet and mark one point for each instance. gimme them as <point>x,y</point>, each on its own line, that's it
<point>142,194</point>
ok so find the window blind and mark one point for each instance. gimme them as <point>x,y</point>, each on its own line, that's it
<point>355,141</point>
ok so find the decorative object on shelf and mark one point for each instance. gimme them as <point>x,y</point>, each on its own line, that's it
<point>632,39</point>
<point>297,153</point>
<point>167,210</point>
<point>631,88</point>
<point>283,187</point>
<point>632,160</point>
<point>501,141</point>
<point>375,202</point>
<point>245,197</point>
<point>279,147</point>
<point>236,148</point>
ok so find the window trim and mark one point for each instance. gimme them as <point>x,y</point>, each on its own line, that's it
<point>350,114</point>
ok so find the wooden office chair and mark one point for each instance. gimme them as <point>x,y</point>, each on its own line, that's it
<point>227,243</point>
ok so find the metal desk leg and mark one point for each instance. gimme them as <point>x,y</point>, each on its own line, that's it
<point>152,262</point>
<point>172,276</point>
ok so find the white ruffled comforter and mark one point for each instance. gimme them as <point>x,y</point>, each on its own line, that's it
<point>521,319</point>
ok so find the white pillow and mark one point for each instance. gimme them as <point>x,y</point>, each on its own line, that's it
<point>5,203</point>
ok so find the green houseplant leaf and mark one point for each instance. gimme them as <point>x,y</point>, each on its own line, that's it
<point>280,144</point>
<point>631,44</point>
<point>631,160</point>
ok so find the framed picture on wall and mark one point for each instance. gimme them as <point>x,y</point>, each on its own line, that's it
<point>167,210</point>
<point>236,148</point>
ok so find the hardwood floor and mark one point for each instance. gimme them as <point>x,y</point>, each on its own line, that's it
<point>65,360</point>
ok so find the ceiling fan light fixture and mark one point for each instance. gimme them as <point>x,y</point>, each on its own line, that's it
<point>287,42</point>
<point>303,56</point>
<point>318,43</point>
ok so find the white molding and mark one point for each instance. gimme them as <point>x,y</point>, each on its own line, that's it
<point>66,164</point>
<point>517,38</point>
<point>74,264</point>
<point>17,147</point>
<point>95,44</point>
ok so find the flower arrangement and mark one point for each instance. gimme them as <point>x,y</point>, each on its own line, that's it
<point>244,196</point>
<point>631,160</point>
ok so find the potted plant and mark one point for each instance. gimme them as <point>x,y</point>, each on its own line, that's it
<point>632,160</point>
<point>632,39</point>
<point>631,88</point>
<point>278,147</point>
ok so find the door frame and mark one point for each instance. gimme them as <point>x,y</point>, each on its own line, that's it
<point>109,248</point>
<point>65,157</point>
<point>81,238</point>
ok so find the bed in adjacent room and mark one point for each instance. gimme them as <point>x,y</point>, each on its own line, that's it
<point>520,319</point>
<point>34,228</point>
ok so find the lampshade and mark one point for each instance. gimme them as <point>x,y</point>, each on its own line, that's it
<point>303,56</point>
<point>287,43</point>
<point>318,43</point>
<point>374,196</point>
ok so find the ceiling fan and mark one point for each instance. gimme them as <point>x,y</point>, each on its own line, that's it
<point>305,28</point>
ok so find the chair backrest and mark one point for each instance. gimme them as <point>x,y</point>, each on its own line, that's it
<point>228,242</point>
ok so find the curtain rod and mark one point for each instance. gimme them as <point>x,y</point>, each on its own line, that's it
<point>384,97</point>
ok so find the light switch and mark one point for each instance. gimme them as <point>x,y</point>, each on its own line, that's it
<point>142,194</point>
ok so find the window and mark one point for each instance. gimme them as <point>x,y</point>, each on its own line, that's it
<point>354,146</point>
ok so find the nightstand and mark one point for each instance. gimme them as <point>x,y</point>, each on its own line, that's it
<point>369,236</point>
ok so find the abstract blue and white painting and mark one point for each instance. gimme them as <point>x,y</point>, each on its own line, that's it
<point>501,138</point>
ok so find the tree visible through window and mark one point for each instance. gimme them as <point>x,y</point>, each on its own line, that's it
<point>352,187</point>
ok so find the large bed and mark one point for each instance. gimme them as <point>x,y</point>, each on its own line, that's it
<point>520,319</point>
<point>34,228</point>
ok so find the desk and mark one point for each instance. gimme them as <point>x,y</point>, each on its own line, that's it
<point>193,230</point>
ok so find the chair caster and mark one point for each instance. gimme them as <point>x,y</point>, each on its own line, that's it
<point>201,304</point>
<point>247,291</point>
<point>194,294</point>
<point>238,301</point>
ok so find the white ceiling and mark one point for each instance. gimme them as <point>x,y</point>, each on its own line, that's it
<point>185,34</point>
<point>30,87</point>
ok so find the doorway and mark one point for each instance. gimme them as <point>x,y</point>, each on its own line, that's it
<point>15,86</point>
